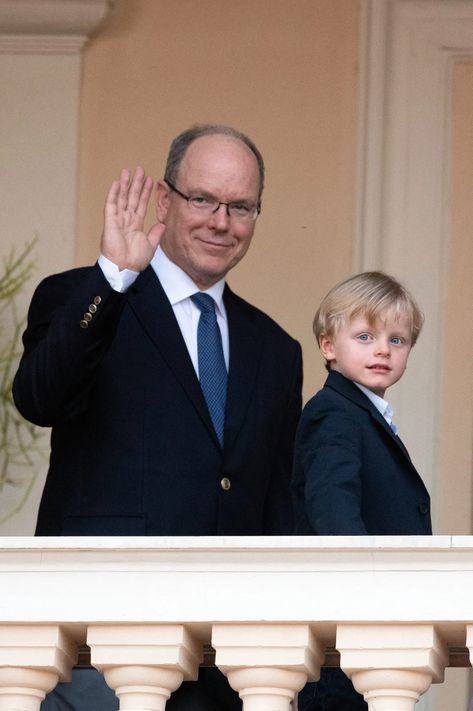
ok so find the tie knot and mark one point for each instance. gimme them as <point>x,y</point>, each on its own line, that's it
<point>204,302</point>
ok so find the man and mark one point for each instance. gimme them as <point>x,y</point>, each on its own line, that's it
<point>114,354</point>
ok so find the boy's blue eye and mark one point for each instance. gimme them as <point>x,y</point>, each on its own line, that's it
<point>363,337</point>
<point>396,340</point>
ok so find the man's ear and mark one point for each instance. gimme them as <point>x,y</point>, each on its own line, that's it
<point>326,346</point>
<point>163,197</point>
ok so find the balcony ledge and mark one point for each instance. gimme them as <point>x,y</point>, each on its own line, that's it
<point>397,609</point>
<point>240,579</point>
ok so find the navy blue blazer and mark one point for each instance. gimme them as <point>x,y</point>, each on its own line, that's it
<point>352,475</point>
<point>133,449</point>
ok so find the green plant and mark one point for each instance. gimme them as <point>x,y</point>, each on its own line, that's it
<point>19,439</point>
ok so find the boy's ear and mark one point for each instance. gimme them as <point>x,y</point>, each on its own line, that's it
<point>326,346</point>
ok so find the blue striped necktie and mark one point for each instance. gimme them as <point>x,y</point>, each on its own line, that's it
<point>212,368</point>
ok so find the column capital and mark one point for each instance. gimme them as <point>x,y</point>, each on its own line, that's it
<point>50,26</point>
<point>32,660</point>
<point>144,664</point>
<point>392,665</point>
<point>39,646</point>
<point>392,646</point>
<point>267,645</point>
<point>171,646</point>
<point>267,663</point>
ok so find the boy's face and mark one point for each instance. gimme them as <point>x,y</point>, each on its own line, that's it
<point>373,355</point>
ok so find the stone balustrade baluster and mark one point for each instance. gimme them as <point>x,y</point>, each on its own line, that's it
<point>267,663</point>
<point>33,658</point>
<point>144,664</point>
<point>391,665</point>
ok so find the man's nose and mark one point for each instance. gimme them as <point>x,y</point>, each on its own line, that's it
<point>220,217</point>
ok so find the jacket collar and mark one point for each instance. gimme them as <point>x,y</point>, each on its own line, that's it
<point>151,306</point>
<point>336,381</point>
<point>245,357</point>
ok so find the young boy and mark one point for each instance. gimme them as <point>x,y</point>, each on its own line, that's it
<point>352,474</point>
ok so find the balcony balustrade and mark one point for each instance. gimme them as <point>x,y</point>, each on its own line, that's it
<point>393,611</point>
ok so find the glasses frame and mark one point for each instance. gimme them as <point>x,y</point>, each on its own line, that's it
<point>228,205</point>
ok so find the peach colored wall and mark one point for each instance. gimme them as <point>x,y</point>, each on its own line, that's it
<point>285,72</point>
<point>455,489</point>
<point>456,443</point>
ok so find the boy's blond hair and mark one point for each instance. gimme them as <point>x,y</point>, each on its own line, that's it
<point>367,294</point>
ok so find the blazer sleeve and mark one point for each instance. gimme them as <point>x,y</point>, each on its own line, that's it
<point>61,355</point>
<point>329,460</point>
<point>279,516</point>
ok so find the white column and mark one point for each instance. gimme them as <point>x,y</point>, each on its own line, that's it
<point>144,664</point>
<point>33,658</point>
<point>404,191</point>
<point>391,665</point>
<point>267,663</point>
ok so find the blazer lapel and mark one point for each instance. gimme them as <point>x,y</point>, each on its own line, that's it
<point>345,387</point>
<point>245,355</point>
<point>152,308</point>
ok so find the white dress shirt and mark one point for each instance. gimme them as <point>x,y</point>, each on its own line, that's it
<point>381,405</point>
<point>178,287</point>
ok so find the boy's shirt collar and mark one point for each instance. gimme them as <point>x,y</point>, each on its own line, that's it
<point>380,404</point>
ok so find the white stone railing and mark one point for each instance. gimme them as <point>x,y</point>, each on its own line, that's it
<point>273,609</point>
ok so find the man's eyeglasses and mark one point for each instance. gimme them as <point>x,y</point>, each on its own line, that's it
<point>206,205</point>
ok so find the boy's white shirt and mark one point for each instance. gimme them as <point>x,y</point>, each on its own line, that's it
<point>381,405</point>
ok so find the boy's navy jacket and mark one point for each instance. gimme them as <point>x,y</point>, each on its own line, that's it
<point>352,475</point>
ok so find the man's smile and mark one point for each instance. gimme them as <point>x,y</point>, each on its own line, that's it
<point>215,244</point>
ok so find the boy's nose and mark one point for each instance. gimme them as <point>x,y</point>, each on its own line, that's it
<point>382,348</point>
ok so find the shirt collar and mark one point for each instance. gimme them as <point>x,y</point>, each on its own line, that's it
<point>380,404</point>
<point>178,285</point>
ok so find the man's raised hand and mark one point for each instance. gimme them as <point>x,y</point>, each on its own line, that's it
<point>123,240</point>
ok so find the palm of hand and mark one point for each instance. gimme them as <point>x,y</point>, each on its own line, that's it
<point>123,240</point>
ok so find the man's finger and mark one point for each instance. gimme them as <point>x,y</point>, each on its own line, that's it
<point>142,205</point>
<point>135,188</point>
<point>122,201</point>
<point>111,199</point>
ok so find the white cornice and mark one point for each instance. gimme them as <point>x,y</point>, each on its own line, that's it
<point>49,26</point>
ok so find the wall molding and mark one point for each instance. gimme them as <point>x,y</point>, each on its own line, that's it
<point>408,50</point>
<point>50,26</point>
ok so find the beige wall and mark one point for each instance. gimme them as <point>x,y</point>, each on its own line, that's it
<point>456,436</point>
<point>283,71</point>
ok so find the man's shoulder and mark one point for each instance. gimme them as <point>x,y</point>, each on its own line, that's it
<point>265,323</point>
<point>56,289</point>
<point>69,276</point>
<point>68,280</point>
